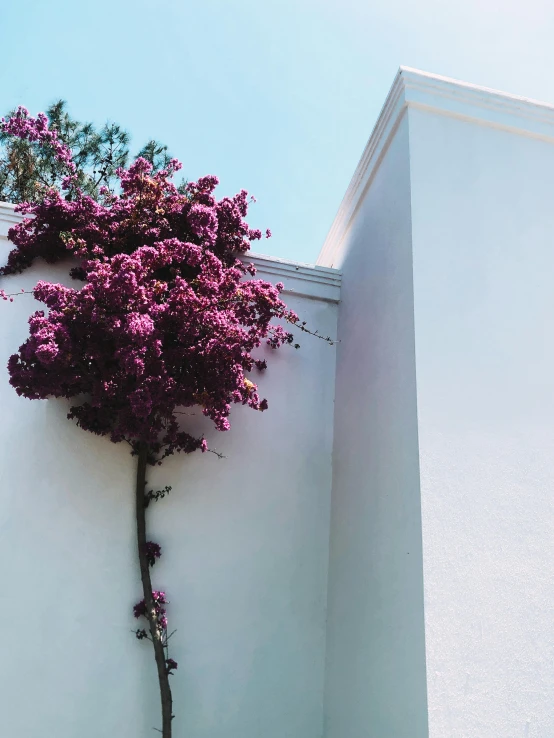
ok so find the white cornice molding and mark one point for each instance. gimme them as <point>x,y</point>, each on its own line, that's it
<point>385,128</point>
<point>9,216</point>
<point>421,90</point>
<point>302,280</point>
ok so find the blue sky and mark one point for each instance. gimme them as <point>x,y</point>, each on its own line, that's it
<point>276,97</point>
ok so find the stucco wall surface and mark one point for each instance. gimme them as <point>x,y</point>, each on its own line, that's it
<point>446,240</point>
<point>483,244</point>
<point>376,653</point>
<point>245,543</point>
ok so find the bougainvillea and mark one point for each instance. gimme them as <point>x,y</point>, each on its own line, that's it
<point>167,316</point>
<point>29,167</point>
<point>139,340</point>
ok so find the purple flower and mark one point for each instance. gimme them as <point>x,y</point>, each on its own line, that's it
<point>162,319</point>
<point>203,222</point>
<point>158,599</point>
<point>140,325</point>
<point>153,551</point>
<point>139,609</point>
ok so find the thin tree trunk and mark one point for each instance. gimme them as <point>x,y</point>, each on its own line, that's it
<point>155,634</point>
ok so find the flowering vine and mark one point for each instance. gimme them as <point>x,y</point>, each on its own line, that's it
<point>165,314</point>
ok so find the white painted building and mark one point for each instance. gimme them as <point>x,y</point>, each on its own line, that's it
<point>375,556</point>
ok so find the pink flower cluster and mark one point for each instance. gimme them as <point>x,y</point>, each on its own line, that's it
<point>153,551</point>
<point>22,125</point>
<point>165,318</point>
<point>171,665</point>
<point>159,599</point>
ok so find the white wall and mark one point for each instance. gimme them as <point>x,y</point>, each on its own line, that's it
<point>376,654</point>
<point>456,183</point>
<point>245,566</point>
<point>483,234</point>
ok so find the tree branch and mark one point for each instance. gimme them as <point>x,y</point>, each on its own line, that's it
<point>155,633</point>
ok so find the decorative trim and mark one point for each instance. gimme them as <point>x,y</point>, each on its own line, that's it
<point>421,90</point>
<point>441,92</point>
<point>7,214</point>
<point>302,280</point>
<point>385,128</point>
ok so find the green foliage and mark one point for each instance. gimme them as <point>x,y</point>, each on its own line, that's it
<point>28,169</point>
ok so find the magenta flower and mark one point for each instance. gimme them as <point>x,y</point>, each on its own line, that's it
<point>165,318</point>
<point>171,665</point>
<point>159,599</point>
<point>153,552</point>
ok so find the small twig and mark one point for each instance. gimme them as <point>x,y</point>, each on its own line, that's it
<point>316,334</point>
<point>16,294</point>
